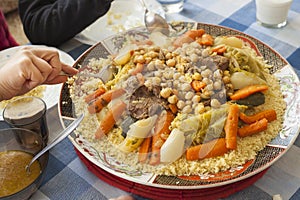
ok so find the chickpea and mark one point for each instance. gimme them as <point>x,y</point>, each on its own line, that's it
<point>197,76</point>
<point>199,109</point>
<point>189,95</point>
<point>206,73</point>
<point>185,87</point>
<point>194,57</point>
<point>226,79</point>
<point>169,55</point>
<point>180,104</point>
<point>166,92</point>
<point>217,85</point>
<point>156,80</point>
<point>210,87</point>
<point>187,109</point>
<point>176,76</point>
<point>151,66</point>
<point>139,59</point>
<point>171,63</point>
<point>152,54</point>
<point>205,53</point>
<point>173,99</point>
<point>214,103</point>
<point>196,99</point>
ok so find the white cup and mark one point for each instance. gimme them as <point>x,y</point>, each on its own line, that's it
<point>272,13</point>
<point>172,6</point>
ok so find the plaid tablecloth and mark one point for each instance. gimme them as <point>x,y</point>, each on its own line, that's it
<point>68,178</point>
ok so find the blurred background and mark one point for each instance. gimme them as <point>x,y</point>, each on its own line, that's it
<point>10,9</point>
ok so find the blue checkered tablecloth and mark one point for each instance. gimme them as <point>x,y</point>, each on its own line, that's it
<point>68,178</point>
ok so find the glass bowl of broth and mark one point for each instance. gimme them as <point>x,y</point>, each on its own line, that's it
<point>17,148</point>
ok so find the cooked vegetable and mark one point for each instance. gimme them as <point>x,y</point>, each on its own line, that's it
<point>188,37</point>
<point>123,57</point>
<point>141,128</point>
<point>161,133</point>
<point>130,144</point>
<point>198,85</point>
<point>269,114</point>
<point>110,119</point>
<point>231,127</point>
<point>230,41</point>
<point>104,99</point>
<point>253,128</point>
<point>173,147</point>
<point>247,91</point>
<point>144,150</point>
<point>243,78</point>
<point>94,95</point>
<point>211,125</point>
<point>220,50</point>
<point>210,149</point>
<point>206,39</point>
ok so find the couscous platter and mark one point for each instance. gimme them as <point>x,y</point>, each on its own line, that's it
<point>205,107</point>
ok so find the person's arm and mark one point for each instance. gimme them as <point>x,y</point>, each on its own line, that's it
<point>53,22</point>
<point>30,67</point>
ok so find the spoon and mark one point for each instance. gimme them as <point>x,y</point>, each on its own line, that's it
<point>105,74</point>
<point>154,22</point>
<point>58,139</point>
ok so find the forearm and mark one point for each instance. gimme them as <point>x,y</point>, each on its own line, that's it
<point>54,23</point>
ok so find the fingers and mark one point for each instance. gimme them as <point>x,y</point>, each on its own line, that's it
<point>47,60</point>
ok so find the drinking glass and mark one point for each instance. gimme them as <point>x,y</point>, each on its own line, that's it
<point>28,113</point>
<point>272,13</point>
<point>172,6</point>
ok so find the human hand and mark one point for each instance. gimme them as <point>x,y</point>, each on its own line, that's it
<point>30,67</point>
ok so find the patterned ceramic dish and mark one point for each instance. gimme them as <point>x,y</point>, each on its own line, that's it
<point>272,152</point>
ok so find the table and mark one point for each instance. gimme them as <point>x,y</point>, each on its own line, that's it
<point>68,178</point>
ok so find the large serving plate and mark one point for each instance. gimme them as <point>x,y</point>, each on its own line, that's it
<point>271,153</point>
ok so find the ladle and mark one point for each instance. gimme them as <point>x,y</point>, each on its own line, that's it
<point>58,139</point>
<point>154,22</point>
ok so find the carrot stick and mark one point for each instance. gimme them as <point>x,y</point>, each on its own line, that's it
<point>214,148</point>
<point>94,95</point>
<point>194,34</point>
<point>110,119</point>
<point>97,105</point>
<point>206,40</point>
<point>188,37</point>
<point>220,50</point>
<point>253,128</point>
<point>270,115</point>
<point>231,127</point>
<point>144,150</point>
<point>247,91</point>
<point>173,108</point>
<point>161,129</point>
<point>198,85</point>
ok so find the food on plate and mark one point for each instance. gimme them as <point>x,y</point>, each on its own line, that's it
<point>201,104</point>
<point>37,92</point>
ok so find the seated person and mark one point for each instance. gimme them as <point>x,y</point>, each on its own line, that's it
<point>53,22</point>
<point>6,39</point>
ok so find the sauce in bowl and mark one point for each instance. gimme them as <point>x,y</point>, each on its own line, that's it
<point>13,176</point>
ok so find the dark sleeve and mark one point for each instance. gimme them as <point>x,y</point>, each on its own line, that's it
<point>52,22</point>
